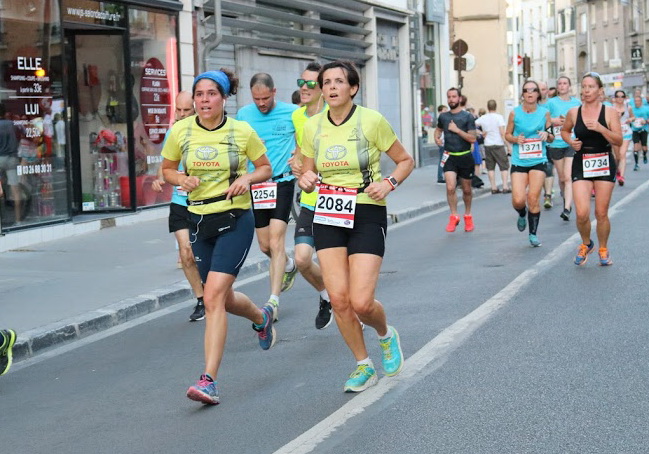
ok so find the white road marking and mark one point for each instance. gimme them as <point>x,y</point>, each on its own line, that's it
<point>440,346</point>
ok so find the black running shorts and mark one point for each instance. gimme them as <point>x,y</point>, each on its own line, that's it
<point>463,165</point>
<point>640,137</point>
<point>578,168</point>
<point>367,236</point>
<point>178,217</point>
<point>304,227</point>
<point>282,209</point>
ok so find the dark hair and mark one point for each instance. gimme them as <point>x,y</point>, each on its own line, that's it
<point>491,105</point>
<point>457,90</point>
<point>619,91</point>
<point>234,82</point>
<point>564,77</point>
<point>295,97</point>
<point>463,100</point>
<point>538,89</point>
<point>3,110</point>
<point>441,107</point>
<point>313,66</point>
<point>348,67</point>
<point>264,79</point>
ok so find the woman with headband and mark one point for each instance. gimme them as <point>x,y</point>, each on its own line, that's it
<point>215,151</point>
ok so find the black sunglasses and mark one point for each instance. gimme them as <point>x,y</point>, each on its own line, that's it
<point>309,83</point>
<point>530,90</point>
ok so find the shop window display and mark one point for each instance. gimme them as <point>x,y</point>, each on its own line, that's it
<point>102,122</point>
<point>154,72</point>
<point>33,175</point>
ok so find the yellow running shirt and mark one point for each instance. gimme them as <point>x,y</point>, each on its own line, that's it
<point>299,118</point>
<point>216,157</point>
<point>349,155</point>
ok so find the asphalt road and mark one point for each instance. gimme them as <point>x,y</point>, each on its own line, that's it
<point>510,349</point>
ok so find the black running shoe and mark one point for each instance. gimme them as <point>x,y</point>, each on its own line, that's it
<point>198,314</point>
<point>565,214</point>
<point>323,319</point>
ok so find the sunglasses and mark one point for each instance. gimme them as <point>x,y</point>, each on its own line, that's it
<point>530,90</point>
<point>620,96</point>
<point>309,83</point>
<point>592,74</point>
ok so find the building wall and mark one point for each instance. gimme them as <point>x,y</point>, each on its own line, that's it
<point>483,26</point>
<point>566,22</point>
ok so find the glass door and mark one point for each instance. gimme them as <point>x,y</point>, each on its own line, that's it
<point>98,98</point>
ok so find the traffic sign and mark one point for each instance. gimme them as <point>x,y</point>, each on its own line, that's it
<point>519,60</point>
<point>460,48</point>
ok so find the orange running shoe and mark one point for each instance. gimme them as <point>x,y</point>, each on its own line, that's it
<point>468,223</point>
<point>604,257</point>
<point>584,250</point>
<point>453,221</point>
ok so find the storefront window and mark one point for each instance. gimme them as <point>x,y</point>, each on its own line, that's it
<point>33,124</point>
<point>154,72</point>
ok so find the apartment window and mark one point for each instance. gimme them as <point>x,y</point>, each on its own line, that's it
<point>593,53</point>
<point>616,48</point>
<point>584,22</point>
<point>605,11</point>
<point>593,14</point>
<point>605,51</point>
<point>616,9</point>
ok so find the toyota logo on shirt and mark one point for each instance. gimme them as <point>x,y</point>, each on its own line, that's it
<point>206,153</point>
<point>335,152</point>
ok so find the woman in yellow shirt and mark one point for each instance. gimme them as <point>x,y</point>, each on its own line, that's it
<point>344,145</point>
<point>215,150</point>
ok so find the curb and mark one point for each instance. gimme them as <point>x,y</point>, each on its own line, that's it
<point>35,341</point>
<point>31,343</point>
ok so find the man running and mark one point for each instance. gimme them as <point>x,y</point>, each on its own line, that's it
<point>458,127</point>
<point>179,216</point>
<point>272,200</point>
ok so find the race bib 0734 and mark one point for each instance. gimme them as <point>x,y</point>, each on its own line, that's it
<point>596,165</point>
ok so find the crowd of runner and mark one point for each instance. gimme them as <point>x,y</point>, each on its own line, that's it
<point>235,179</point>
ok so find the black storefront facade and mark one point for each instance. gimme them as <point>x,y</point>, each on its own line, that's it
<point>86,87</point>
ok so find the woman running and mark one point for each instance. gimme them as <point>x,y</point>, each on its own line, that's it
<point>596,128</point>
<point>215,150</point>
<point>625,122</point>
<point>344,145</point>
<point>528,129</point>
<point>560,153</point>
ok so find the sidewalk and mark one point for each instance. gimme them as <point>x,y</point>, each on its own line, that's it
<point>58,291</point>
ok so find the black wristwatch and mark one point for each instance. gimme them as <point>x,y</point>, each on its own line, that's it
<point>393,182</point>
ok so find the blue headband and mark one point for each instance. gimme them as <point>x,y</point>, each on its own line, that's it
<point>219,77</point>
